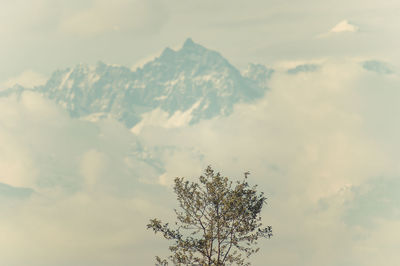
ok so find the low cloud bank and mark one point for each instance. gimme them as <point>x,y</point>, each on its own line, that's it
<point>315,144</point>
<point>323,145</point>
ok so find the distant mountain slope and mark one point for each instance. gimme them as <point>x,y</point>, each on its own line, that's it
<point>193,78</point>
<point>14,192</point>
<point>378,67</point>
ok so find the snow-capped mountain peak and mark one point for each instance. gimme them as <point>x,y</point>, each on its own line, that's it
<point>193,78</point>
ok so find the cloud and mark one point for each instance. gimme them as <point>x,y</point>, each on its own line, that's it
<point>314,144</point>
<point>380,246</point>
<point>28,79</point>
<point>88,197</point>
<point>122,15</point>
<point>63,152</point>
<point>158,117</point>
<point>344,26</point>
<point>374,201</point>
<point>309,144</point>
<point>93,165</point>
<point>319,117</point>
<point>81,229</point>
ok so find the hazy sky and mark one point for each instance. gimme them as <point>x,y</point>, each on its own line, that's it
<point>44,35</point>
<point>323,145</point>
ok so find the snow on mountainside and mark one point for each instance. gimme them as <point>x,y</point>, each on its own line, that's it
<point>193,80</point>
<point>258,73</point>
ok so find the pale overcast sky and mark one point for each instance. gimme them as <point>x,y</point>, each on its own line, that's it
<point>44,35</point>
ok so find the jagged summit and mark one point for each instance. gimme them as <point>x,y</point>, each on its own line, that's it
<point>192,79</point>
<point>191,51</point>
<point>189,46</point>
<point>188,43</point>
<point>167,52</point>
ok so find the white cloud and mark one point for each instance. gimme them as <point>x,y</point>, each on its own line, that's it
<point>344,26</point>
<point>314,138</point>
<point>93,165</point>
<point>81,229</point>
<point>28,79</point>
<point>89,207</point>
<point>59,151</point>
<point>381,244</point>
<point>159,117</point>
<point>16,156</point>
<point>307,144</point>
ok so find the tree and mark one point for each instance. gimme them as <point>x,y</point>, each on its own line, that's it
<point>217,222</point>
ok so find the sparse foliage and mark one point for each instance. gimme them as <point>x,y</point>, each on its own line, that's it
<point>218,223</point>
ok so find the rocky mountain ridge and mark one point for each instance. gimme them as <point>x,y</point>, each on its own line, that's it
<point>192,79</point>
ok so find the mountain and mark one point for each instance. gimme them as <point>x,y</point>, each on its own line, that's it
<point>192,79</point>
<point>377,67</point>
<point>258,73</point>
<point>7,191</point>
<point>303,68</point>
